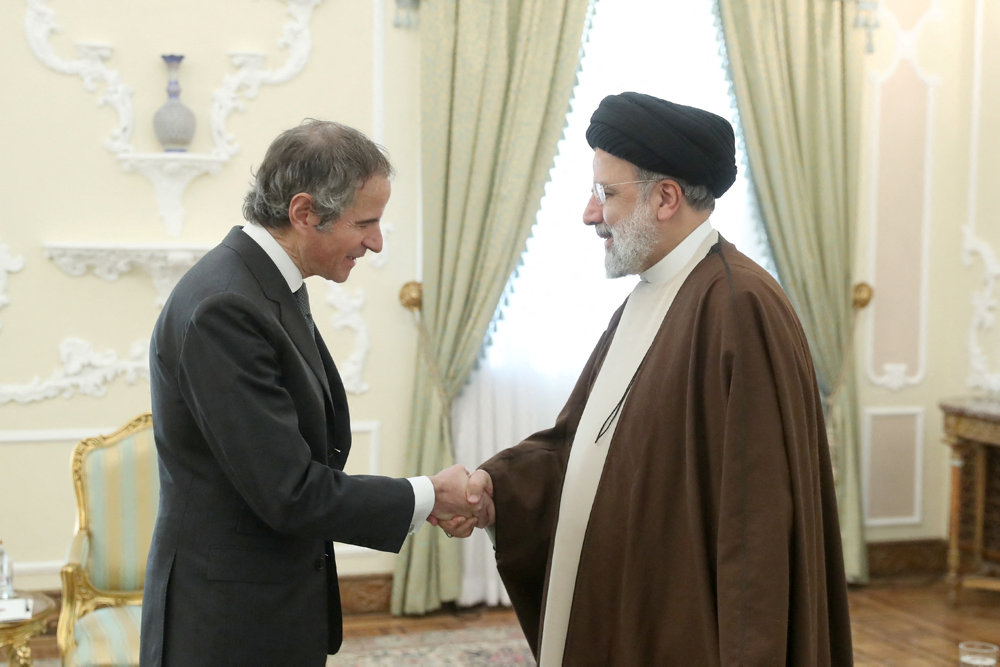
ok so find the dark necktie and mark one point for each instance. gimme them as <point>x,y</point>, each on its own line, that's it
<point>302,299</point>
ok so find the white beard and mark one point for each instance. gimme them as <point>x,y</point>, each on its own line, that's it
<point>633,240</point>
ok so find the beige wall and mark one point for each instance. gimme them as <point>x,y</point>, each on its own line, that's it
<point>60,185</point>
<point>930,178</point>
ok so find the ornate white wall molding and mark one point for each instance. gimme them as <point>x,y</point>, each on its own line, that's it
<point>984,371</point>
<point>83,371</point>
<point>164,264</point>
<point>8,264</point>
<point>170,173</point>
<point>39,24</point>
<point>895,374</point>
<point>52,435</point>
<point>250,74</point>
<point>348,316</point>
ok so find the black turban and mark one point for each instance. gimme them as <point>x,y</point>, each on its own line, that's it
<point>688,143</point>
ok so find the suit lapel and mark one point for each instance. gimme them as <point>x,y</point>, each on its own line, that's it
<point>275,288</point>
<point>340,428</point>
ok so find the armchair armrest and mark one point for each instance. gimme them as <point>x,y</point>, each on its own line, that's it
<point>73,576</point>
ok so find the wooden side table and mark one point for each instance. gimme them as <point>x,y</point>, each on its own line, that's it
<point>14,635</point>
<point>970,425</point>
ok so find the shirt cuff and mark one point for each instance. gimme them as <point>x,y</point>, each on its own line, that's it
<point>423,501</point>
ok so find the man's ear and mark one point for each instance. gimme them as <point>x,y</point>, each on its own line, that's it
<point>300,211</point>
<point>668,198</point>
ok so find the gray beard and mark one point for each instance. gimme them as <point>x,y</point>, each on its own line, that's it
<point>633,240</point>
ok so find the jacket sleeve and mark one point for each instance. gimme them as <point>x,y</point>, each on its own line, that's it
<point>247,389</point>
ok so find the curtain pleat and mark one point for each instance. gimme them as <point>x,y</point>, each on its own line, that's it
<point>797,70</point>
<point>496,79</point>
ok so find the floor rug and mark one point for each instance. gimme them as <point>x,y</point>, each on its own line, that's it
<point>499,645</point>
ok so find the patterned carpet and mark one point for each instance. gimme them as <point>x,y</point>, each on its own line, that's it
<point>503,645</point>
<point>471,647</point>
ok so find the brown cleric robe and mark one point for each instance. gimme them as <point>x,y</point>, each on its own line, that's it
<point>713,538</point>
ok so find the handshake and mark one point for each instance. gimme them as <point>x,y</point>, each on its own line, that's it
<point>462,501</point>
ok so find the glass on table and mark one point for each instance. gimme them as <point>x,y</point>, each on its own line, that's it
<point>978,653</point>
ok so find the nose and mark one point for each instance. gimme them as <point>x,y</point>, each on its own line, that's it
<point>373,241</point>
<point>594,213</point>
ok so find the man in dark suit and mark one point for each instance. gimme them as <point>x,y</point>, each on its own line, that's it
<point>252,427</point>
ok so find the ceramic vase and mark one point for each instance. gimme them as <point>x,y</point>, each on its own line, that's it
<point>173,122</point>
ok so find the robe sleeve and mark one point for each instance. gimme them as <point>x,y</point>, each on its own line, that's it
<point>527,486</point>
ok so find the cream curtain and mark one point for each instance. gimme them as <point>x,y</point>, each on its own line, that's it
<point>496,78</point>
<point>796,68</point>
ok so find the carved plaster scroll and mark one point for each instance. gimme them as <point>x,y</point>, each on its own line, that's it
<point>8,264</point>
<point>165,265</point>
<point>39,24</point>
<point>170,173</point>
<point>984,371</point>
<point>348,316</point>
<point>250,74</point>
<point>83,370</point>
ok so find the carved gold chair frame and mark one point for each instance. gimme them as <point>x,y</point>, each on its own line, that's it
<point>80,596</point>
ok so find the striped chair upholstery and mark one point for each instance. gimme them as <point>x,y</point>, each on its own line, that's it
<point>117,490</point>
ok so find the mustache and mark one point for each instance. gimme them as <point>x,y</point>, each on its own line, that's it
<point>602,230</point>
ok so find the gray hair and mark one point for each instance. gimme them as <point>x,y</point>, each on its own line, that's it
<point>699,197</point>
<point>326,160</point>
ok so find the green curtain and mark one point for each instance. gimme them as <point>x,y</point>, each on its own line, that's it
<point>797,71</point>
<point>496,79</point>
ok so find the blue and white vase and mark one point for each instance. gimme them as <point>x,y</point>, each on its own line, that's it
<point>173,122</point>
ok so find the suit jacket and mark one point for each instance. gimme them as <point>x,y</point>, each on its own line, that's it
<point>252,432</point>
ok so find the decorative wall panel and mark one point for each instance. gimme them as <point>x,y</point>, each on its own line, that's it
<point>903,113</point>
<point>892,465</point>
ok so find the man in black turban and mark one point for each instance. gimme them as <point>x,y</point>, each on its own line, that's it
<point>681,511</point>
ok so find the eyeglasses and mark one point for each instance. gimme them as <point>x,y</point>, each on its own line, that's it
<point>601,196</point>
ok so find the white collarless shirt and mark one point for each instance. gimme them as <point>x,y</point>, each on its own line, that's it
<point>645,309</point>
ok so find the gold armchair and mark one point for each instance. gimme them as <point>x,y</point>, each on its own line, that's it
<point>117,490</point>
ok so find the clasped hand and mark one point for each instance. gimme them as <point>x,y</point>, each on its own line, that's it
<point>462,501</point>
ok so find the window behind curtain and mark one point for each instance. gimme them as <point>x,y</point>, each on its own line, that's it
<point>560,300</point>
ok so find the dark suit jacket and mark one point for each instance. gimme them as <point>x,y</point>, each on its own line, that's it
<point>252,431</point>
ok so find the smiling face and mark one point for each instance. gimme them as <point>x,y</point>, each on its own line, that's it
<point>625,221</point>
<point>333,252</point>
